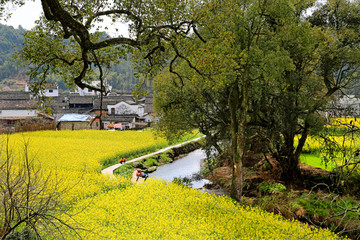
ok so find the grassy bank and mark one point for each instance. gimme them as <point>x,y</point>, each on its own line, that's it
<point>315,160</point>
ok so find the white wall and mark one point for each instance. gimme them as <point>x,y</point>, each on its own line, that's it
<point>18,113</point>
<point>54,93</point>
<point>123,108</point>
<point>89,92</point>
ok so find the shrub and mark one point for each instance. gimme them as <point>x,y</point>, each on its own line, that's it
<point>182,181</point>
<point>272,188</point>
<point>125,170</point>
<point>149,162</point>
<point>164,158</point>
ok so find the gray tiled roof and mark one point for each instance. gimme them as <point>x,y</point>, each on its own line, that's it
<point>14,95</point>
<point>18,104</point>
<point>81,99</point>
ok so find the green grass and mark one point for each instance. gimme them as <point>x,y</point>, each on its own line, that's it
<point>125,170</point>
<point>314,159</point>
<point>149,162</point>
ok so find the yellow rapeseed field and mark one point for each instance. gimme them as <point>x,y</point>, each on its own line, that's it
<point>116,209</point>
<point>345,122</point>
<point>160,210</point>
<point>75,156</point>
<point>313,144</point>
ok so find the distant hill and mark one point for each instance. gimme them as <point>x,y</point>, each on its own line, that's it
<point>13,77</point>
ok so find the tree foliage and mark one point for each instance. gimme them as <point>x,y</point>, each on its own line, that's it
<point>86,51</point>
<point>265,72</point>
<point>10,40</point>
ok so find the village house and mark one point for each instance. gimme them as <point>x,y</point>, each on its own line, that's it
<point>49,90</point>
<point>18,112</point>
<point>122,112</point>
<point>74,122</point>
<point>123,108</point>
<point>344,106</point>
<point>118,111</point>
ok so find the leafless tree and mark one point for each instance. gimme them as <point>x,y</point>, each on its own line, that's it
<point>30,198</point>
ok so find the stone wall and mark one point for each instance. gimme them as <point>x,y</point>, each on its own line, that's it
<point>74,125</point>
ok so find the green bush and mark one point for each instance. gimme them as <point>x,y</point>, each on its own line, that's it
<point>149,162</point>
<point>271,187</point>
<point>164,158</point>
<point>24,234</point>
<point>125,170</point>
<point>326,205</point>
<point>182,181</point>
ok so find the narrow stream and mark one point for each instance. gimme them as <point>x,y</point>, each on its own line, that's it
<point>188,166</point>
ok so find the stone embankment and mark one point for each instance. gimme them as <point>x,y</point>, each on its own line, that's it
<point>177,150</point>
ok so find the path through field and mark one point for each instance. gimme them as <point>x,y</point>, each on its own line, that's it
<point>110,170</point>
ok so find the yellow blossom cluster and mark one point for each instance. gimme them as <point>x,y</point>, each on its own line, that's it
<point>108,208</point>
<point>313,144</point>
<point>345,122</point>
<point>75,157</point>
<point>162,210</point>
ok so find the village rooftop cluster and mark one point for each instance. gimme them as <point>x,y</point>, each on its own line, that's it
<point>21,110</point>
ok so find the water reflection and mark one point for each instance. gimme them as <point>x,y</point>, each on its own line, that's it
<point>187,166</point>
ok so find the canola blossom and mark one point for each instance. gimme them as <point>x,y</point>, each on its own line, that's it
<point>162,210</point>
<point>345,122</point>
<point>110,208</point>
<point>76,157</point>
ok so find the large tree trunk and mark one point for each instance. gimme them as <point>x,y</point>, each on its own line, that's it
<point>233,106</point>
<point>289,157</point>
<point>290,168</point>
<point>238,106</point>
<point>233,102</point>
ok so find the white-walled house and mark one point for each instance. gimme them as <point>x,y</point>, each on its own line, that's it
<point>18,109</point>
<point>90,92</point>
<point>15,113</point>
<point>123,108</point>
<point>345,105</point>
<point>50,90</point>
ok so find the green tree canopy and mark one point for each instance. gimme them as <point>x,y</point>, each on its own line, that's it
<point>152,24</point>
<point>264,63</point>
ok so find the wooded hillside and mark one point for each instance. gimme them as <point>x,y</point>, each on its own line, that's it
<point>10,40</point>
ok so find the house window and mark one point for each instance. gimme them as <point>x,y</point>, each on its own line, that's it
<point>89,90</point>
<point>50,90</point>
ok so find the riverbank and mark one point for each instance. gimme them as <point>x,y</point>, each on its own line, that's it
<point>171,152</point>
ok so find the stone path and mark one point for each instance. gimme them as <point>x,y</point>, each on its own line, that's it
<point>110,170</point>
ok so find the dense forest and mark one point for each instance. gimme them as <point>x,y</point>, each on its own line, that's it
<point>10,40</point>
<point>120,76</point>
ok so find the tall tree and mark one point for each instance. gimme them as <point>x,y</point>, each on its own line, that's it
<point>325,60</point>
<point>222,71</point>
<point>266,60</point>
